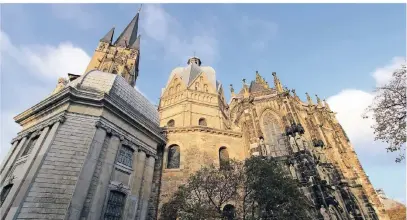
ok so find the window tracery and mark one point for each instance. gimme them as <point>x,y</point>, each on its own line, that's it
<point>173,158</point>
<point>273,135</point>
<point>126,156</point>
<point>223,157</point>
<point>115,206</point>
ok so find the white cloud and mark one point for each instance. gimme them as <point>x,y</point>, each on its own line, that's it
<point>383,75</point>
<point>258,31</point>
<point>176,41</point>
<point>45,64</point>
<point>57,61</point>
<point>350,104</point>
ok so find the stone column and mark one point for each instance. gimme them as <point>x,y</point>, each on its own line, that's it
<point>133,198</point>
<point>20,186</point>
<point>146,188</point>
<point>104,179</point>
<point>85,177</point>
<point>13,157</point>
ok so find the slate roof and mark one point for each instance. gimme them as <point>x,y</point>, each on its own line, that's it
<point>101,82</point>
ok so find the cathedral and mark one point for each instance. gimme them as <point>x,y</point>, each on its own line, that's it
<point>96,148</point>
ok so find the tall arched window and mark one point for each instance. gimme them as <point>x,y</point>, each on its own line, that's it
<point>171,123</point>
<point>115,205</point>
<point>29,146</point>
<point>273,135</point>
<point>202,122</point>
<point>229,212</point>
<point>223,157</point>
<point>173,158</point>
<point>4,193</point>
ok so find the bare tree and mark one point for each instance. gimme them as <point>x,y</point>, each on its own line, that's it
<point>389,113</point>
<point>256,189</point>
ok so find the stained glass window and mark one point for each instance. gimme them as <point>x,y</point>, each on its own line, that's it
<point>171,123</point>
<point>126,156</point>
<point>115,205</point>
<point>202,122</point>
<point>273,135</point>
<point>223,157</point>
<point>4,193</point>
<point>29,146</point>
<point>173,159</point>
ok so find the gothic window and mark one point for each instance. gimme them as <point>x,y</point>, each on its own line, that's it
<point>202,122</point>
<point>206,88</point>
<point>4,193</point>
<point>229,212</point>
<point>171,123</point>
<point>115,206</point>
<point>173,159</point>
<point>125,156</point>
<point>196,86</point>
<point>178,88</point>
<point>171,90</point>
<point>223,157</point>
<point>29,146</point>
<point>273,135</point>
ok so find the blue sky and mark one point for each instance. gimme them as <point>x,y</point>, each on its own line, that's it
<point>338,51</point>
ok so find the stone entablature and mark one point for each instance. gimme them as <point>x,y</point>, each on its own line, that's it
<point>125,138</point>
<point>202,129</point>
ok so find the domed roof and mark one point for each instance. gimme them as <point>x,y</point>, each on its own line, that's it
<point>190,72</point>
<point>114,85</point>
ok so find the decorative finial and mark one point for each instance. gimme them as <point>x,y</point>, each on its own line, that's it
<point>277,83</point>
<point>327,106</point>
<point>318,101</point>
<point>309,99</point>
<point>232,90</point>
<point>244,81</point>
<point>139,9</point>
<point>295,94</point>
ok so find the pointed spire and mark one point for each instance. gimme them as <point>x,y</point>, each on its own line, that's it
<point>277,83</point>
<point>232,91</point>
<point>258,77</point>
<point>309,99</point>
<point>136,44</point>
<point>327,106</point>
<point>129,35</point>
<point>245,88</point>
<point>108,38</point>
<point>318,101</point>
<point>294,93</point>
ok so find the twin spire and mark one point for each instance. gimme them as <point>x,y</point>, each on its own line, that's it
<point>128,38</point>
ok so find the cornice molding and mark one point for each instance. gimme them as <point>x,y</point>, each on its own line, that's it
<point>38,127</point>
<point>202,129</point>
<point>126,138</point>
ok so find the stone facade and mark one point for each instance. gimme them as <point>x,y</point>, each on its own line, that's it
<point>92,149</point>
<point>262,121</point>
<point>97,149</point>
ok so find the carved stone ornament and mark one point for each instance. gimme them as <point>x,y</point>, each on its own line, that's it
<point>120,187</point>
<point>98,124</point>
<point>324,213</point>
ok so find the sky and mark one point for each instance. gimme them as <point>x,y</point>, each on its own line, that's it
<point>338,51</point>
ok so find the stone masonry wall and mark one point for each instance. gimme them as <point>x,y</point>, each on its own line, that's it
<point>196,149</point>
<point>52,188</point>
<point>95,180</point>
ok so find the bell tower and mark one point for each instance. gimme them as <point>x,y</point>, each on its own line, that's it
<point>121,57</point>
